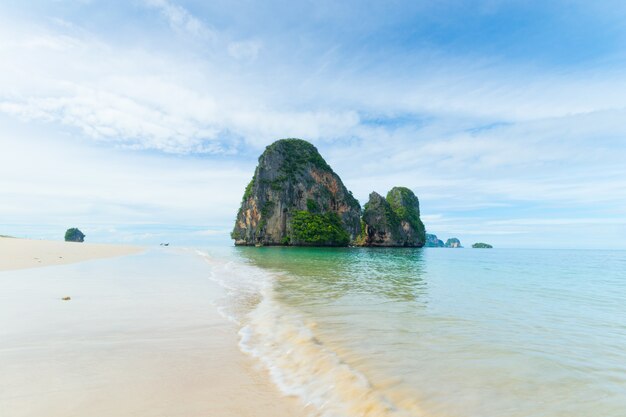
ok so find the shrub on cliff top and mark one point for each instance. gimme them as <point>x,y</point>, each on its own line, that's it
<point>297,153</point>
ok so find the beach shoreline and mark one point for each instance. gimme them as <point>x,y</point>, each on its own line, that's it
<point>141,336</point>
<point>19,253</point>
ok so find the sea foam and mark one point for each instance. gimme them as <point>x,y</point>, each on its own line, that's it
<point>286,345</point>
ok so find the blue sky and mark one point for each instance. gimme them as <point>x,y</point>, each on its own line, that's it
<point>141,121</point>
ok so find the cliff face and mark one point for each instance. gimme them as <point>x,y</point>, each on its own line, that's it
<point>393,221</point>
<point>380,224</point>
<point>295,198</point>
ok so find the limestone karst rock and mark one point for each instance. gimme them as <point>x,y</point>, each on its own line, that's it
<point>393,221</point>
<point>433,242</point>
<point>453,243</point>
<point>295,198</point>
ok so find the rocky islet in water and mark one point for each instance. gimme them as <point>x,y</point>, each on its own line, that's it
<point>296,199</point>
<point>453,243</point>
<point>481,245</point>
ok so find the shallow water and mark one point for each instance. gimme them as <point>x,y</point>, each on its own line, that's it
<point>435,332</point>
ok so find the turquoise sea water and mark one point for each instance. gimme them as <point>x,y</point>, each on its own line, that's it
<point>435,332</point>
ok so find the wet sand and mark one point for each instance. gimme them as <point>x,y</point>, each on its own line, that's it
<point>141,336</point>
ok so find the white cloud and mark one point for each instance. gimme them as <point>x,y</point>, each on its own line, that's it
<point>146,100</point>
<point>180,19</point>
<point>108,116</point>
<point>52,179</point>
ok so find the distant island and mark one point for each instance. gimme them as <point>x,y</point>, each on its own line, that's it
<point>453,243</point>
<point>481,245</point>
<point>296,199</point>
<point>433,242</point>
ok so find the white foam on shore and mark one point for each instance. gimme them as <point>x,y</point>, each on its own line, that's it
<point>286,344</point>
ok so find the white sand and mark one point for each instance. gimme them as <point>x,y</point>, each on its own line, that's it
<point>140,337</point>
<point>26,253</point>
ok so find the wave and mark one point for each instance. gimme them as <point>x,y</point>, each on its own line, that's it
<point>299,363</point>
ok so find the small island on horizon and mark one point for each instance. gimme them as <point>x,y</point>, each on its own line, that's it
<point>481,245</point>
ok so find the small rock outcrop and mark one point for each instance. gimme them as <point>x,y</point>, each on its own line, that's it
<point>74,235</point>
<point>481,245</point>
<point>453,243</point>
<point>295,198</point>
<point>433,242</point>
<point>392,221</point>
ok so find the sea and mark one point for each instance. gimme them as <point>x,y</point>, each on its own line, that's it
<point>433,332</point>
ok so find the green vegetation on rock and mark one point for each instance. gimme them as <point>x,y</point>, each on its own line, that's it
<point>297,153</point>
<point>312,206</point>
<point>382,209</point>
<point>433,242</point>
<point>361,239</point>
<point>318,229</point>
<point>248,192</point>
<point>393,221</point>
<point>453,243</point>
<point>406,206</point>
<point>481,245</point>
<point>293,177</point>
<point>295,198</point>
<point>74,235</point>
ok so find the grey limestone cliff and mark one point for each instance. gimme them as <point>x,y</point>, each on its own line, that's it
<point>295,198</point>
<point>393,221</point>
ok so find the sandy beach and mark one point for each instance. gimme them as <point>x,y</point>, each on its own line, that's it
<point>141,336</point>
<point>27,253</point>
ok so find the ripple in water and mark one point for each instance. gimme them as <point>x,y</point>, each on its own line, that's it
<point>435,332</point>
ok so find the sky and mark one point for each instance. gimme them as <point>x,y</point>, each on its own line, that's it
<point>141,121</point>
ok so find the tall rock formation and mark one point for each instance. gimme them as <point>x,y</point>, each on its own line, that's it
<point>392,221</point>
<point>295,198</point>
